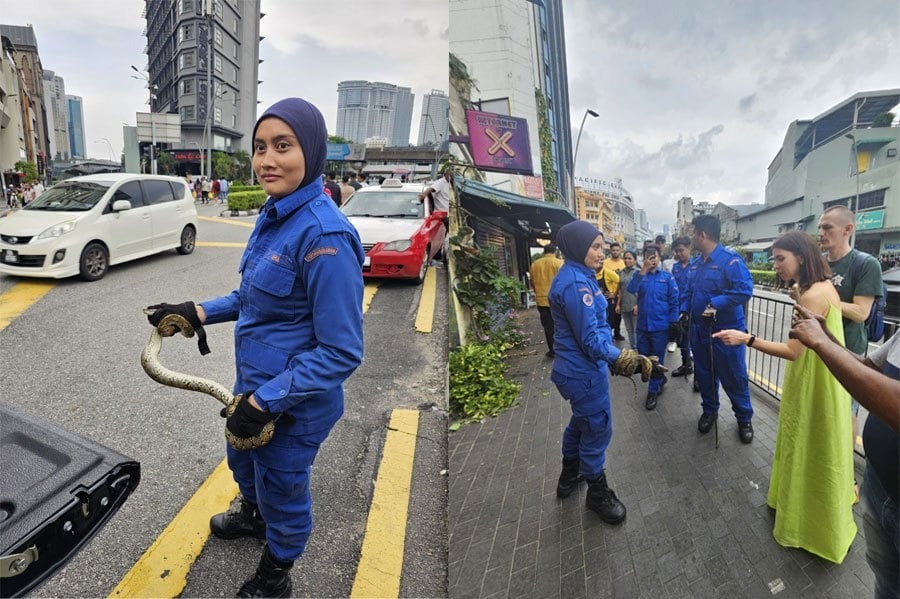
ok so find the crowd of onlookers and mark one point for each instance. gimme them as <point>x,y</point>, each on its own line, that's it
<point>18,196</point>
<point>889,261</point>
<point>208,191</point>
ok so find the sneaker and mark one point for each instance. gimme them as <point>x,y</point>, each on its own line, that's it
<point>671,347</point>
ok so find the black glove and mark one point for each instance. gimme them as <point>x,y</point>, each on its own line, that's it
<point>674,331</point>
<point>247,421</point>
<point>186,310</point>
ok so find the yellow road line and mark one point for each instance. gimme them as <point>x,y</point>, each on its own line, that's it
<point>221,244</point>
<point>162,570</point>
<point>227,221</point>
<point>381,561</point>
<point>425,314</point>
<point>764,382</point>
<point>368,293</point>
<point>19,298</point>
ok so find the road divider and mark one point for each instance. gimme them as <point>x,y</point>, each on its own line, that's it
<point>381,560</point>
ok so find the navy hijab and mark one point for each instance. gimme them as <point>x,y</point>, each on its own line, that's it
<point>308,125</point>
<point>575,238</point>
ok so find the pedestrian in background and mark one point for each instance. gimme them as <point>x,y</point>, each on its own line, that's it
<point>626,302</point>
<point>584,351</point>
<point>657,315</point>
<point>298,337</point>
<point>347,190</point>
<point>354,183</point>
<point>204,189</point>
<point>334,188</point>
<point>811,485</point>
<point>542,272</point>
<point>615,264</point>
<point>719,286</point>
<point>681,248</point>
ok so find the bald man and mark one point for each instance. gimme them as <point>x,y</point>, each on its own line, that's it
<point>857,287</point>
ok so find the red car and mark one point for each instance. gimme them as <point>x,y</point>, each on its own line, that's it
<point>399,232</point>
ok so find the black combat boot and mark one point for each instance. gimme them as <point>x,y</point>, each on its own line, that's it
<point>569,478</point>
<point>686,368</point>
<point>272,578</point>
<point>603,501</point>
<point>243,520</point>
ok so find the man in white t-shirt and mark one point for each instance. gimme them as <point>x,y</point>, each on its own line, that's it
<point>440,192</point>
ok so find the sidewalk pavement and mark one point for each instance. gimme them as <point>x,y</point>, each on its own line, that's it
<point>697,523</point>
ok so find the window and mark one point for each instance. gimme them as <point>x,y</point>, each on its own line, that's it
<point>234,121</point>
<point>187,6</point>
<point>218,63</point>
<point>217,8</point>
<point>234,75</point>
<point>187,113</point>
<point>178,188</point>
<point>186,86</point>
<point>218,115</point>
<point>157,192</point>
<point>891,152</point>
<point>234,25</point>
<point>130,191</point>
<point>234,53</point>
<point>187,31</point>
<point>218,37</point>
<point>872,199</point>
<point>185,60</point>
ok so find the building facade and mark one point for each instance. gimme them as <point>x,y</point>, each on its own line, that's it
<point>553,80</point>
<point>435,120</point>
<point>622,206</point>
<point>58,116</point>
<point>75,125</point>
<point>374,109</point>
<point>205,68</point>
<point>594,207</point>
<point>12,129</point>
<point>24,49</point>
<point>846,156</point>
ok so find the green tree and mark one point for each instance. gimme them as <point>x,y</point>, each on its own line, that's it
<point>30,170</point>
<point>165,164</point>
<point>337,139</point>
<point>223,166</point>
<point>883,120</point>
<point>242,166</point>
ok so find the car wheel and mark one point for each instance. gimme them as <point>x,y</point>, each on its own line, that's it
<point>188,240</point>
<point>94,262</point>
<point>423,269</point>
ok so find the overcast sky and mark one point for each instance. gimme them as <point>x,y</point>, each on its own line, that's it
<point>310,46</point>
<point>695,96</point>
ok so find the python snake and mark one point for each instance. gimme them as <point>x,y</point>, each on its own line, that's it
<point>168,326</point>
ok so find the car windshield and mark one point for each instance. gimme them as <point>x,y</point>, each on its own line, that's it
<point>385,204</point>
<point>70,196</point>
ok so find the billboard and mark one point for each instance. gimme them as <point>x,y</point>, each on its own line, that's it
<point>499,142</point>
<point>166,127</point>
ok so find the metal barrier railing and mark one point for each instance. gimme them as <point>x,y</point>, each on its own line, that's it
<point>769,317</point>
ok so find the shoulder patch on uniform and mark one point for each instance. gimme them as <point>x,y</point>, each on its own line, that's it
<point>330,251</point>
<point>733,262</point>
<point>587,299</point>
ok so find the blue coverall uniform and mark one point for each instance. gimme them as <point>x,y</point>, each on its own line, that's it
<point>682,274</point>
<point>723,281</point>
<point>584,348</point>
<point>298,336</point>
<point>657,300</point>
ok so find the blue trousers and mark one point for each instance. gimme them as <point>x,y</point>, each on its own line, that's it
<point>730,369</point>
<point>653,343</point>
<point>882,528</point>
<point>589,431</point>
<point>684,342</point>
<point>275,477</point>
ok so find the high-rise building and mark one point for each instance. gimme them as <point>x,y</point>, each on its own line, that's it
<point>204,65</point>
<point>434,122</point>
<point>76,126</point>
<point>58,116</point>
<point>24,47</point>
<point>550,56</point>
<point>374,109</point>
<point>622,206</point>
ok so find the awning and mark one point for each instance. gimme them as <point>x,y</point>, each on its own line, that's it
<point>759,246</point>
<point>529,216</point>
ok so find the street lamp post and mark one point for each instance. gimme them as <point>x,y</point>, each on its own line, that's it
<point>210,107</point>
<point>152,97</point>
<point>108,145</point>
<point>437,146</point>
<point>852,139</point>
<point>578,139</point>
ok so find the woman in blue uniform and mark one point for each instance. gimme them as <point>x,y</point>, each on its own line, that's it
<point>584,351</point>
<point>298,337</point>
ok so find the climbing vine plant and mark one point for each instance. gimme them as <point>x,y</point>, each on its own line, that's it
<point>548,173</point>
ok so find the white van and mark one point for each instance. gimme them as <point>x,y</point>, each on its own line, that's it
<point>83,225</point>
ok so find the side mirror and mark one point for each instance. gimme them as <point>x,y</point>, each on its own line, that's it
<point>120,205</point>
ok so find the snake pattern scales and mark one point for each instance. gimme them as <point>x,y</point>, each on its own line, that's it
<point>168,326</point>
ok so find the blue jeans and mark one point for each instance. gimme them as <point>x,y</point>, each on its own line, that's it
<point>882,536</point>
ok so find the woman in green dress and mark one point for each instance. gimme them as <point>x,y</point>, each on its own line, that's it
<point>811,489</point>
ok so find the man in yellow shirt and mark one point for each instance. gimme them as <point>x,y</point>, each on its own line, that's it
<point>613,264</point>
<point>542,272</point>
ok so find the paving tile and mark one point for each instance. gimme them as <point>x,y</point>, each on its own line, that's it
<point>521,583</point>
<point>572,585</point>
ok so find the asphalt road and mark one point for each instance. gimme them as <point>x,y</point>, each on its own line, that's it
<point>73,359</point>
